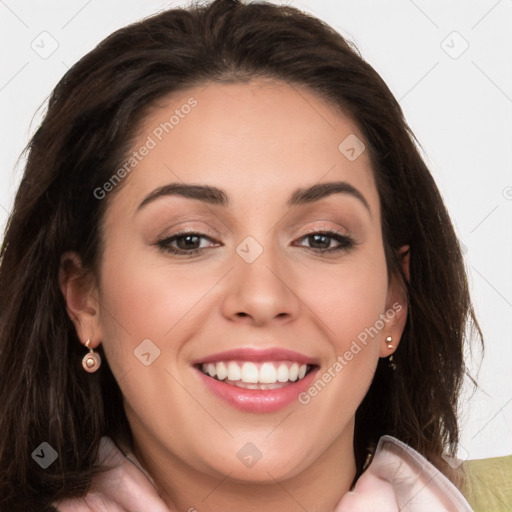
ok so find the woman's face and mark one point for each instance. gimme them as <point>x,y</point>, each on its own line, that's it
<point>252,296</point>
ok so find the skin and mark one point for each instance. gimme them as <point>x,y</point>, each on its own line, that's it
<point>258,142</point>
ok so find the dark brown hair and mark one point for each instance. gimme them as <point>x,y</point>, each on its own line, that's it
<point>92,117</point>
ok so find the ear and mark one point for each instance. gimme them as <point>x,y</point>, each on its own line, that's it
<point>396,307</point>
<point>81,296</point>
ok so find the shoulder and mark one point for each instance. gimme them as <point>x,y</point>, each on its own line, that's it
<point>489,483</point>
<point>417,483</point>
<point>124,487</point>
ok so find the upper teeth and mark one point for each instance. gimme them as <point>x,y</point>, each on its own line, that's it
<point>249,372</point>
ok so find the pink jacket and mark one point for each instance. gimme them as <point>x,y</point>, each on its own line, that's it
<point>398,479</point>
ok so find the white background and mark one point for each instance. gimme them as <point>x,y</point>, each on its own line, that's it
<point>459,108</point>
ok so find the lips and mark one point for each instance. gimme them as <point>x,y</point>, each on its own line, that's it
<point>257,380</point>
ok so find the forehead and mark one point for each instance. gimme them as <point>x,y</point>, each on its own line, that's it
<point>258,139</point>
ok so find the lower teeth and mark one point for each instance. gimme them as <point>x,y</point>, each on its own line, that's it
<point>258,385</point>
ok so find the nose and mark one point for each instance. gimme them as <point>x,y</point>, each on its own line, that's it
<point>262,290</point>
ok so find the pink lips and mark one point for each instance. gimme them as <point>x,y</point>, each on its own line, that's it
<point>246,354</point>
<point>257,400</point>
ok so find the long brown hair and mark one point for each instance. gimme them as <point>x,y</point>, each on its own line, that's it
<point>91,119</point>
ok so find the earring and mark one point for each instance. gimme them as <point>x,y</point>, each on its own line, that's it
<point>391,363</point>
<point>91,361</point>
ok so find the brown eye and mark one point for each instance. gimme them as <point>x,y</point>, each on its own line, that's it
<point>187,243</point>
<point>320,241</point>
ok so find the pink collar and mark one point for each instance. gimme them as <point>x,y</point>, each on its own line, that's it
<point>398,479</point>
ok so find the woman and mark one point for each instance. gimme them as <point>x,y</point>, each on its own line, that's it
<point>229,282</point>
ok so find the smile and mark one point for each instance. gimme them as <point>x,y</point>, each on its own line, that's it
<point>257,381</point>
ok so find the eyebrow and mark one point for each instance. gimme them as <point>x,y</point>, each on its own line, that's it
<point>218,197</point>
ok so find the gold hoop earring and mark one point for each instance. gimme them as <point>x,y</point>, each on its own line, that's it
<point>91,361</point>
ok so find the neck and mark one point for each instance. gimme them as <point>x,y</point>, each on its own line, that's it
<point>319,488</point>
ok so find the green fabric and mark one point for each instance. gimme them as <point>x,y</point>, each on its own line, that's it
<point>489,484</point>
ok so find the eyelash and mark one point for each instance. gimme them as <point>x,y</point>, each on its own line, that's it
<point>346,242</point>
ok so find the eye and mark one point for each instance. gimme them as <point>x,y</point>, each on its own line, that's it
<point>188,243</point>
<point>323,239</point>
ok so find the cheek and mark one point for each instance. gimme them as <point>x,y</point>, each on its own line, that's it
<point>348,298</point>
<point>348,301</point>
<point>359,305</point>
<point>144,307</point>
<point>143,297</point>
